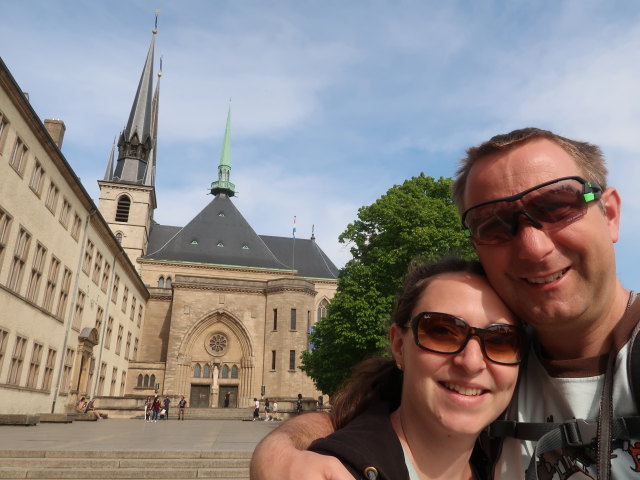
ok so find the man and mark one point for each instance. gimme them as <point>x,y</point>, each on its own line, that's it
<point>167,403</point>
<point>546,242</point>
<point>182,404</point>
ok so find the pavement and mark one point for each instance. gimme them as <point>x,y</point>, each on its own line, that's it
<point>137,434</point>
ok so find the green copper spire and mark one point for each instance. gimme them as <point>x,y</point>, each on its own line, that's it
<point>223,185</point>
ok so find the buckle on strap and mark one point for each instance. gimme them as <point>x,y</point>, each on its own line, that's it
<point>580,432</point>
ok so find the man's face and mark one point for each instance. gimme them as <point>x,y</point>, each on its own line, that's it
<point>551,279</point>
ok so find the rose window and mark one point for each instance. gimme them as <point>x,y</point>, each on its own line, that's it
<point>218,344</point>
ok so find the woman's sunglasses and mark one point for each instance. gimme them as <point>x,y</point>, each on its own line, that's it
<point>548,206</point>
<point>443,333</point>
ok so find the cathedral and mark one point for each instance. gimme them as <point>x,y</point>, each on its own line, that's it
<point>207,310</point>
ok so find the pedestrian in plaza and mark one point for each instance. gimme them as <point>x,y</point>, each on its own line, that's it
<point>155,407</point>
<point>299,404</point>
<point>267,406</point>
<point>167,402</point>
<point>256,410</point>
<point>147,409</point>
<point>227,397</point>
<point>182,404</point>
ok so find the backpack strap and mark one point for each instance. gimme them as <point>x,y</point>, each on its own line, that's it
<point>633,366</point>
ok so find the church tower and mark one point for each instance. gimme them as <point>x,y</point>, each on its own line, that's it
<point>127,192</point>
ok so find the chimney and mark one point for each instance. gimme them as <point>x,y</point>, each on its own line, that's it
<point>56,130</point>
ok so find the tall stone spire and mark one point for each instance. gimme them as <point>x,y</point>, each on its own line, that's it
<point>136,142</point>
<point>223,185</point>
<point>150,175</point>
<point>108,173</point>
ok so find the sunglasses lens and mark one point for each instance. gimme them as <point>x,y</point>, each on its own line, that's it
<point>551,206</point>
<point>442,333</point>
<point>503,343</point>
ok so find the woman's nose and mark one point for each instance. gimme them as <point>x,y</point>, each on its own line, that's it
<point>471,358</point>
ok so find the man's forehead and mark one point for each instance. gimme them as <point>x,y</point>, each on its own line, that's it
<point>505,173</point>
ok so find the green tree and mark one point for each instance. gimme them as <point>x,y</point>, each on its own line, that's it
<point>417,219</point>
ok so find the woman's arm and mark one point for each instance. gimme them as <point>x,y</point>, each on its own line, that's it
<point>281,455</point>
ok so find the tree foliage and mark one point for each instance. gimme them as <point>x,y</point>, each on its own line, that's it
<point>417,219</point>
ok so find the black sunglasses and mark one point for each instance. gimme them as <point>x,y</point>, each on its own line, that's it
<point>548,206</point>
<point>444,333</point>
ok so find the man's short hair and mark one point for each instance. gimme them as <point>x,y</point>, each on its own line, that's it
<point>588,157</point>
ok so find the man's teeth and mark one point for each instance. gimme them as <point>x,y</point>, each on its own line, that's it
<point>547,279</point>
<point>463,390</point>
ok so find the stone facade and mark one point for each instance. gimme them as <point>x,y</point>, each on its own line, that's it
<point>59,267</point>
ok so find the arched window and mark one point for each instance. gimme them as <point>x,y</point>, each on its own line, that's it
<point>167,283</point>
<point>206,371</point>
<point>234,372</point>
<point>139,385</point>
<point>225,371</point>
<point>146,381</point>
<point>122,210</point>
<point>322,309</point>
<point>161,282</point>
<point>119,237</point>
<point>152,381</point>
<point>196,371</point>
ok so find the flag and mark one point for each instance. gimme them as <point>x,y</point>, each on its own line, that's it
<point>294,227</point>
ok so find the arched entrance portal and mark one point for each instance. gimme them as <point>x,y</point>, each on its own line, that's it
<point>217,358</point>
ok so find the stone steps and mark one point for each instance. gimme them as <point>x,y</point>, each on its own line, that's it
<point>143,464</point>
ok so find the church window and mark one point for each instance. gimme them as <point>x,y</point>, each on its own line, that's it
<point>234,372</point>
<point>139,384</point>
<point>161,282</point>
<point>152,381</point>
<point>275,319</point>
<point>293,319</point>
<point>220,244</point>
<point>168,282</point>
<point>322,309</point>
<point>273,359</point>
<point>245,247</point>
<point>206,372</point>
<point>225,371</point>
<point>196,371</point>
<point>194,242</point>
<point>122,210</point>
<point>218,344</point>
<point>221,214</point>
<point>146,381</point>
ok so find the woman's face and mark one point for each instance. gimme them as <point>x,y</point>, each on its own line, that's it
<point>455,393</point>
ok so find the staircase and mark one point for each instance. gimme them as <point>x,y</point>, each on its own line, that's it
<point>146,464</point>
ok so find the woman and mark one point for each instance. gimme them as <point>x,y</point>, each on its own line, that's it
<point>456,349</point>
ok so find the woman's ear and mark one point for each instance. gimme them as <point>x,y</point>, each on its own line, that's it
<point>396,338</point>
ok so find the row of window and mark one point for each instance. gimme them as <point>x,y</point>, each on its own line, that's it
<point>17,269</point>
<point>18,160</point>
<point>109,332</point>
<point>38,363</point>
<point>293,321</point>
<point>114,378</point>
<point>146,381</point>
<point>292,360</point>
<point>41,367</point>
<point>205,372</point>
<point>164,282</point>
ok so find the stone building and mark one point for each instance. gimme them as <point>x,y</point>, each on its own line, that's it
<point>105,301</point>
<point>71,302</point>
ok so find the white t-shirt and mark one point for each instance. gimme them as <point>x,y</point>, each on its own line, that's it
<point>566,390</point>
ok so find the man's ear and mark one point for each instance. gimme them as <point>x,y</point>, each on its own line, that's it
<point>397,345</point>
<point>611,205</point>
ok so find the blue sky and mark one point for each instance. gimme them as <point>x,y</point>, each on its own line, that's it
<point>332,102</point>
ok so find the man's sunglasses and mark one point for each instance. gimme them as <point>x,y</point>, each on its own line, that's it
<point>549,206</point>
<point>444,333</point>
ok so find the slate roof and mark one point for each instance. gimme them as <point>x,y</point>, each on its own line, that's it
<point>220,235</point>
